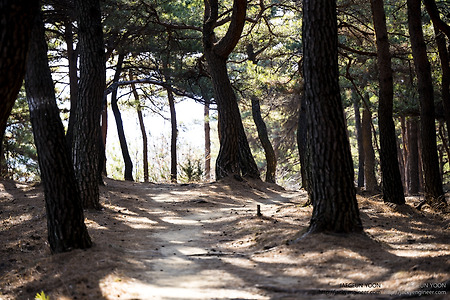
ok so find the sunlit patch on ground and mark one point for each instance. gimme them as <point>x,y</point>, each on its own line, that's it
<point>206,242</point>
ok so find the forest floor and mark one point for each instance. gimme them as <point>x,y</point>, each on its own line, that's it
<point>204,241</point>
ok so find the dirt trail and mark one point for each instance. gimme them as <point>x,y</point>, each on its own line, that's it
<point>204,241</point>
<point>191,262</point>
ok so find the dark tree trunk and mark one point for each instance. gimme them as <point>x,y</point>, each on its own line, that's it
<point>144,143</point>
<point>433,11</point>
<point>302,144</point>
<point>143,131</point>
<point>390,172</point>
<point>234,157</point>
<point>173,137</point>
<point>369,154</point>
<point>332,190</point>
<point>445,65</point>
<point>72,57</point>
<point>90,98</point>
<point>439,29</point>
<point>430,161</point>
<point>413,156</point>
<point>404,152</point>
<point>65,220</point>
<point>128,172</point>
<point>263,135</point>
<point>207,129</point>
<point>359,138</point>
<point>16,18</point>
<point>104,133</point>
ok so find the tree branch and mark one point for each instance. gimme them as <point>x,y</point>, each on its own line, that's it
<point>166,85</point>
<point>226,45</point>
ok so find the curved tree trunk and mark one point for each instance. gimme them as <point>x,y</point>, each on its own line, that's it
<point>128,172</point>
<point>332,190</point>
<point>235,156</point>
<point>90,98</point>
<point>65,219</point>
<point>390,172</point>
<point>16,17</point>
<point>433,182</point>
<point>263,135</point>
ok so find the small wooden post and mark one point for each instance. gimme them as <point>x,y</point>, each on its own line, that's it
<point>258,210</point>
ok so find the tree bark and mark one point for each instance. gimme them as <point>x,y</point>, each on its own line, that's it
<point>90,97</point>
<point>433,11</point>
<point>235,158</point>
<point>359,139</point>
<point>370,184</point>
<point>65,219</point>
<point>332,190</point>
<point>433,182</point>
<point>72,57</point>
<point>16,18</point>
<point>173,137</point>
<point>263,135</point>
<point>128,172</point>
<point>207,129</point>
<point>413,156</point>
<point>302,144</point>
<point>441,28</point>
<point>390,172</point>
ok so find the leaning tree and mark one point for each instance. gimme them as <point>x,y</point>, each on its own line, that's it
<point>235,157</point>
<point>65,218</point>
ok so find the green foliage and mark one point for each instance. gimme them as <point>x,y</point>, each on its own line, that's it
<point>41,296</point>
<point>191,170</point>
<point>20,157</point>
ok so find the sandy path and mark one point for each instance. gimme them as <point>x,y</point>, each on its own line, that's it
<point>204,241</point>
<point>185,260</point>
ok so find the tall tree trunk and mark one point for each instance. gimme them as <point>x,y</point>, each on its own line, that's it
<point>263,135</point>
<point>72,57</point>
<point>390,172</point>
<point>173,122</point>
<point>332,191</point>
<point>413,156</point>
<point>143,131</point>
<point>90,96</point>
<point>173,137</point>
<point>144,143</point>
<point>128,172</point>
<point>235,156</point>
<point>65,219</point>
<point>359,138</point>
<point>404,152</point>
<point>207,129</point>
<point>440,29</point>
<point>433,182</point>
<point>371,184</point>
<point>445,65</point>
<point>104,130</point>
<point>302,144</point>
<point>16,18</point>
